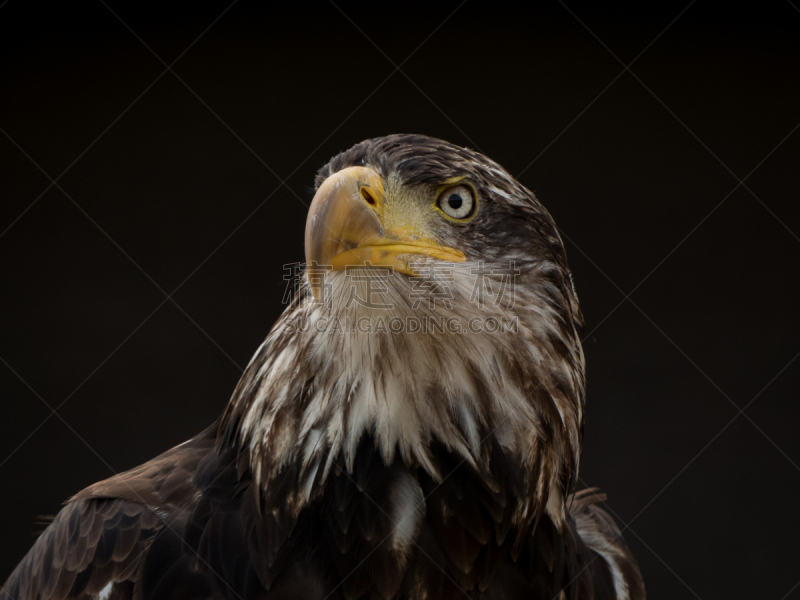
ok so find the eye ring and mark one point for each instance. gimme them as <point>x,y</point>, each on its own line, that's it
<point>458,203</point>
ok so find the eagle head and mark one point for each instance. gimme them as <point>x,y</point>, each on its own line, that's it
<point>435,317</point>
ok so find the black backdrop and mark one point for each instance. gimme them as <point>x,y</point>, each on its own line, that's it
<point>168,183</point>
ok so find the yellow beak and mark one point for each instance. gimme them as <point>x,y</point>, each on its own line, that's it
<point>347,227</point>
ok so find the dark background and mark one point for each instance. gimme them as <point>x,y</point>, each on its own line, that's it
<point>168,183</point>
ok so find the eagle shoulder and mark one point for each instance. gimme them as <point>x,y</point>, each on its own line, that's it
<point>97,545</point>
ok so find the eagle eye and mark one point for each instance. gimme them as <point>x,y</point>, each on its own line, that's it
<point>457,202</point>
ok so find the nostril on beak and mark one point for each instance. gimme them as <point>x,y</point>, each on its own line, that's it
<point>368,198</point>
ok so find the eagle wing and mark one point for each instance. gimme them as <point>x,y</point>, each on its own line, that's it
<point>98,544</point>
<point>614,571</point>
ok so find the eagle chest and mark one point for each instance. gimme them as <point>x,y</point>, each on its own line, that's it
<point>390,531</point>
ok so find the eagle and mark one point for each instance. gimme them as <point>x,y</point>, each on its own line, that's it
<point>411,426</point>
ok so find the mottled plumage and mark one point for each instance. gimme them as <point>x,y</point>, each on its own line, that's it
<point>376,465</point>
